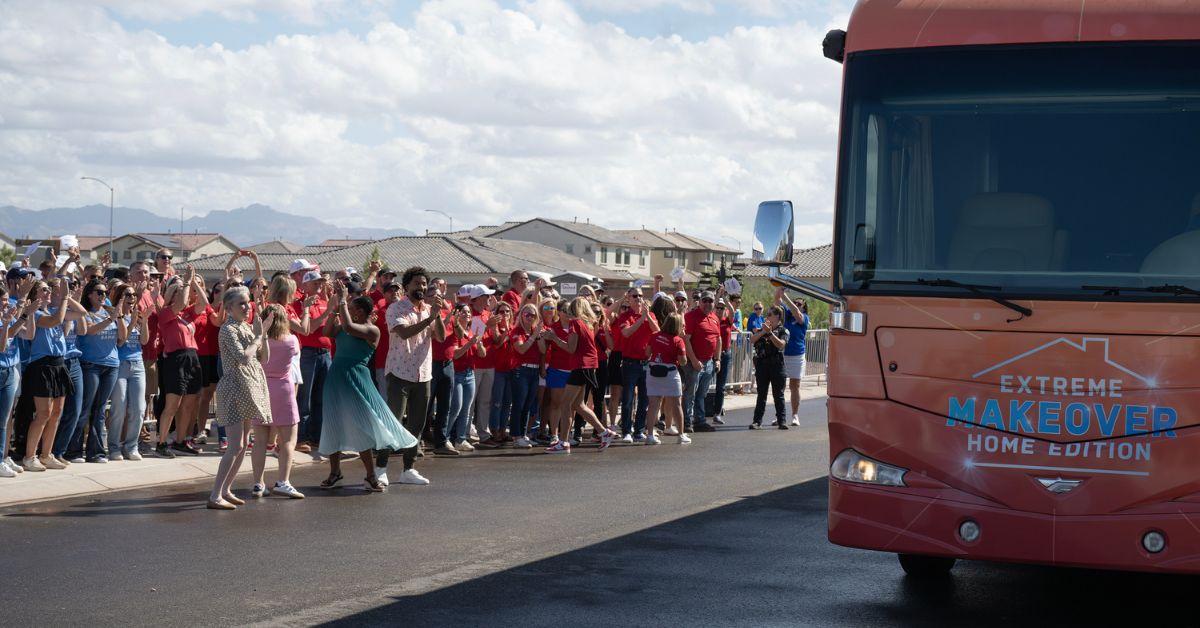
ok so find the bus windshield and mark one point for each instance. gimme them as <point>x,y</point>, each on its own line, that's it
<point>1039,171</point>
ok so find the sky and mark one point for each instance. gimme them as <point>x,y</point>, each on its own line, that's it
<point>667,114</point>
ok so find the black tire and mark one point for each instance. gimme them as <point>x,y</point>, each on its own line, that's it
<point>918,566</point>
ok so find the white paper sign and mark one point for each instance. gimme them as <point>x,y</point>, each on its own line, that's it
<point>568,289</point>
<point>732,286</point>
<point>31,249</point>
<point>477,326</point>
<point>67,242</point>
<point>677,273</point>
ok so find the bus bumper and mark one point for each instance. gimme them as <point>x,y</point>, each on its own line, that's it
<point>891,520</point>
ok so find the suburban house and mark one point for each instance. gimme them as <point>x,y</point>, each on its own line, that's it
<point>457,260</point>
<point>586,241</point>
<point>275,246</point>
<point>132,247</point>
<point>342,243</point>
<point>91,248</point>
<point>672,249</point>
<point>814,265</point>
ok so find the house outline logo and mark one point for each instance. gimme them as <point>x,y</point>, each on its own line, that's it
<point>1082,346</point>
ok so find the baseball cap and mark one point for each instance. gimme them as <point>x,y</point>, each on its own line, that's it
<point>312,275</point>
<point>387,271</point>
<point>479,290</point>
<point>707,294</point>
<point>681,295</point>
<point>465,290</point>
<point>299,265</point>
<point>538,276</point>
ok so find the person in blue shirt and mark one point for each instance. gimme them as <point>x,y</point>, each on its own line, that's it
<point>735,300</point>
<point>11,324</point>
<point>128,400</point>
<point>46,377</point>
<point>68,442</point>
<point>99,359</point>
<point>755,320</point>
<point>795,320</point>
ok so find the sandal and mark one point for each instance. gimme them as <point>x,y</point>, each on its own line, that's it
<point>332,480</point>
<point>235,500</point>
<point>222,505</point>
<point>372,484</point>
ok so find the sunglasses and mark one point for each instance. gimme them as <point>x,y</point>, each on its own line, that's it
<point>100,292</point>
<point>549,309</point>
<point>164,257</point>
<point>758,309</point>
<point>706,300</point>
<point>529,315</point>
<point>636,296</point>
<point>680,299</point>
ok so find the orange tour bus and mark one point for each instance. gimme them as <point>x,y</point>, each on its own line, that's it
<point>1014,364</point>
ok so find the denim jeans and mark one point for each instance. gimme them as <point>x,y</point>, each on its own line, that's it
<point>128,407</point>
<point>481,407</point>
<point>442,389</point>
<point>501,401</point>
<point>68,440</point>
<point>460,406</point>
<point>10,383</point>
<point>98,382</point>
<point>722,377</point>
<point>695,388</point>
<point>314,366</point>
<point>524,399</point>
<point>633,376</point>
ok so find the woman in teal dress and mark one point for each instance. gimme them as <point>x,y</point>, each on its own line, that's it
<point>356,417</point>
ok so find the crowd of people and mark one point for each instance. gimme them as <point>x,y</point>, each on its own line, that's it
<point>372,366</point>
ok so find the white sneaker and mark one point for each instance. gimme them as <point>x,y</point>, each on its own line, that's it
<point>287,490</point>
<point>464,446</point>
<point>653,440</point>
<point>258,490</point>
<point>32,464</point>
<point>134,456</point>
<point>523,443</point>
<point>683,439</point>
<point>627,439</point>
<point>380,476</point>
<point>50,462</point>
<point>412,477</point>
<point>672,432</point>
<point>795,419</point>
<point>13,465</point>
<point>7,471</point>
<point>117,457</point>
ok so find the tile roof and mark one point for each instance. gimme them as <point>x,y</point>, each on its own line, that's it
<point>588,230</point>
<point>441,255</point>
<point>482,231</point>
<point>811,262</point>
<point>706,245</point>
<point>343,243</point>
<point>275,246</point>
<point>646,237</point>
<point>184,242</point>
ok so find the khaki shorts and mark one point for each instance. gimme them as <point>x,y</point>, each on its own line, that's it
<point>151,377</point>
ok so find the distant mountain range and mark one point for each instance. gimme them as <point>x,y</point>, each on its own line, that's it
<point>245,225</point>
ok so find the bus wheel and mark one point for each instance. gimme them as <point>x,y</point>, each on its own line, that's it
<point>919,566</point>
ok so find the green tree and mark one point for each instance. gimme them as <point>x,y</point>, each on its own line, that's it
<point>760,289</point>
<point>7,255</point>
<point>373,257</point>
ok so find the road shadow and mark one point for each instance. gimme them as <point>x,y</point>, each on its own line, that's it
<point>765,561</point>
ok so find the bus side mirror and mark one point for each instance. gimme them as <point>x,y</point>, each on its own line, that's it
<point>834,45</point>
<point>773,234</point>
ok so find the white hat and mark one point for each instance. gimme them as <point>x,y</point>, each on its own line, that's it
<point>544,278</point>
<point>68,241</point>
<point>299,265</point>
<point>465,290</point>
<point>681,295</point>
<point>660,295</point>
<point>312,275</point>
<point>479,290</point>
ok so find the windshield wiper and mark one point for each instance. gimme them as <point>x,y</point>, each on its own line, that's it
<point>976,289</point>
<point>1167,288</point>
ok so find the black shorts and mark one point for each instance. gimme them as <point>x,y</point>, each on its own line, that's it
<point>179,373</point>
<point>614,368</point>
<point>583,377</point>
<point>210,371</point>
<point>48,377</point>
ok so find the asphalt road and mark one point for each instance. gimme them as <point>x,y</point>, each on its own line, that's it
<point>726,531</point>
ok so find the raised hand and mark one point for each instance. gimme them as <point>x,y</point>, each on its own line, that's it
<point>264,322</point>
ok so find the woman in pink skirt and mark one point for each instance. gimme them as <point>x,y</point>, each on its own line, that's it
<point>284,414</point>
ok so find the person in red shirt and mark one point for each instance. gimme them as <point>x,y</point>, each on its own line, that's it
<point>526,350</point>
<point>482,300</point>
<point>468,348</point>
<point>666,354</point>
<point>703,339</point>
<point>499,357</point>
<point>635,327</point>
<point>179,366</point>
<point>391,293</point>
<point>724,314</point>
<point>518,282</point>
<point>573,342</point>
<point>442,383</point>
<point>315,355</point>
<point>208,327</point>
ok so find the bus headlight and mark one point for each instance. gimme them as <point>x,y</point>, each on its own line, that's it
<point>852,466</point>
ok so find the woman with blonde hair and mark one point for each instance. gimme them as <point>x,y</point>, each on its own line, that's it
<point>285,415</point>
<point>242,396</point>
<point>575,336</point>
<point>527,350</point>
<point>666,353</point>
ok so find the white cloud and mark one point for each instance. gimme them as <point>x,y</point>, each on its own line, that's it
<point>483,112</point>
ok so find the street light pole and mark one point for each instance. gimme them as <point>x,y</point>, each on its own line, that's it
<point>111,210</point>
<point>448,216</point>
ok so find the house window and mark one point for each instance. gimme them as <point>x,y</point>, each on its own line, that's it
<point>641,257</point>
<point>626,257</point>
<point>587,248</point>
<point>570,248</point>
<point>709,256</point>
<point>127,254</point>
<point>604,255</point>
<point>143,255</point>
<point>683,258</point>
<point>669,253</point>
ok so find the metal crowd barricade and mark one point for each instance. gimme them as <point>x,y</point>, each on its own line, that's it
<point>741,364</point>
